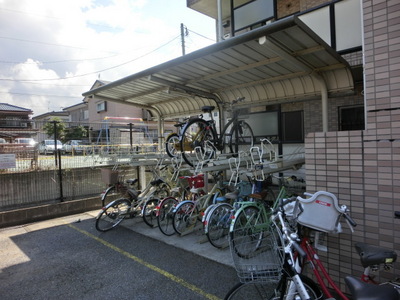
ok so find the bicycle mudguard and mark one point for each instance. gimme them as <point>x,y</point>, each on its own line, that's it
<point>103,194</point>
<point>182,203</point>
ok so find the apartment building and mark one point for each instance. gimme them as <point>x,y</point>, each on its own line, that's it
<point>357,155</point>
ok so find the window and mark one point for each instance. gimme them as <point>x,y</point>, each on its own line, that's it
<point>351,118</point>
<point>292,127</point>
<point>101,106</point>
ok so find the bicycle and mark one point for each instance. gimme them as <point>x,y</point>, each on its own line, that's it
<point>199,138</point>
<point>267,271</point>
<point>218,216</point>
<point>132,203</point>
<point>120,188</point>
<point>167,205</point>
<point>172,145</point>
<point>261,280</point>
<point>252,218</point>
<point>218,220</point>
<point>187,213</point>
<point>374,258</point>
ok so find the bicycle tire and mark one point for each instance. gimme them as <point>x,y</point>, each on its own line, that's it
<point>112,193</point>
<point>197,141</point>
<point>165,216</point>
<point>149,212</point>
<point>270,290</point>
<point>172,145</point>
<point>112,215</point>
<point>185,217</point>
<point>241,137</point>
<point>246,238</point>
<point>218,222</point>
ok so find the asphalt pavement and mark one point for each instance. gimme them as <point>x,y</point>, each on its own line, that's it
<point>67,258</point>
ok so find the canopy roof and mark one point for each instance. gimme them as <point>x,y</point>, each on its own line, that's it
<point>279,62</point>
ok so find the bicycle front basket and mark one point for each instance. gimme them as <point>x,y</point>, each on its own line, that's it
<point>257,257</point>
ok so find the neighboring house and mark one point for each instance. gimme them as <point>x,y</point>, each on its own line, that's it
<point>41,120</point>
<point>78,113</point>
<point>100,110</point>
<point>15,122</point>
<point>110,121</point>
<point>46,117</point>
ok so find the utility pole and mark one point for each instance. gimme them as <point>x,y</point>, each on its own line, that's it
<point>184,32</point>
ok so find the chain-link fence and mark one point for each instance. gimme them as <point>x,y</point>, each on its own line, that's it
<point>68,166</point>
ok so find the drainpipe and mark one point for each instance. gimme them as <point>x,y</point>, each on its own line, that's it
<point>160,130</point>
<point>324,99</point>
<point>219,21</point>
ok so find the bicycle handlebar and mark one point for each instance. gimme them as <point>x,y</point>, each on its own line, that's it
<point>350,220</point>
<point>298,248</point>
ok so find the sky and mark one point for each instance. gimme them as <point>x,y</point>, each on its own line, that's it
<point>51,51</point>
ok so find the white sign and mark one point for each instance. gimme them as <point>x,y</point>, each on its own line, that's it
<point>7,161</point>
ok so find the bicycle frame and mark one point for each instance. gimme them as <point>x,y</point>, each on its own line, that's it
<point>219,143</point>
<point>312,259</point>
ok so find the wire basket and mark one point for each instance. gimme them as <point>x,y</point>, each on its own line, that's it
<point>257,256</point>
<point>109,176</point>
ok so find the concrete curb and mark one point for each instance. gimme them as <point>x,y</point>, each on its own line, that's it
<point>49,211</point>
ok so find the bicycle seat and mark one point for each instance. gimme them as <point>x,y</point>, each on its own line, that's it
<point>180,124</point>
<point>366,291</point>
<point>207,109</point>
<point>374,255</point>
<point>132,181</point>
<point>156,182</point>
<point>232,195</point>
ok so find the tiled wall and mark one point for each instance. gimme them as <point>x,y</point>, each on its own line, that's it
<point>364,175</point>
<point>363,167</point>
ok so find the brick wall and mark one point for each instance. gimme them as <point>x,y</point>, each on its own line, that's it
<point>363,174</point>
<point>362,167</point>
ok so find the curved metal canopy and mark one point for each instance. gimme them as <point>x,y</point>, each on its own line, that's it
<point>279,62</point>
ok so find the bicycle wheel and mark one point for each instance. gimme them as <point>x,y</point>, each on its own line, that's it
<point>197,142</point>
<point>185,217</point>
<point>286,289</point>
<point>112,193</point>
<point>269,290</point>
<point>172,145</point>
<point>165,215</point>
<point>241,137</point>
<point>113,214</point>
<point>149,212</point>
<point>217,223</point>
<point>248,231</point>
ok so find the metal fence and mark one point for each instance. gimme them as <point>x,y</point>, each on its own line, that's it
<point>30,176</point>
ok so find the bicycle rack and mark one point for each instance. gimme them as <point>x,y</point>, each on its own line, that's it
<point>236,168</point>
<point>201,156</point>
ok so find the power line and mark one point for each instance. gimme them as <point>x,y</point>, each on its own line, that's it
<point>213,40</point>
<point>38,95</point>
<point>91,73</point>
<point>50,44</point>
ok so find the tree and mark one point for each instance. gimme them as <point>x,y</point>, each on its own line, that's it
<point>76,133</point>
<point>55,125</point>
